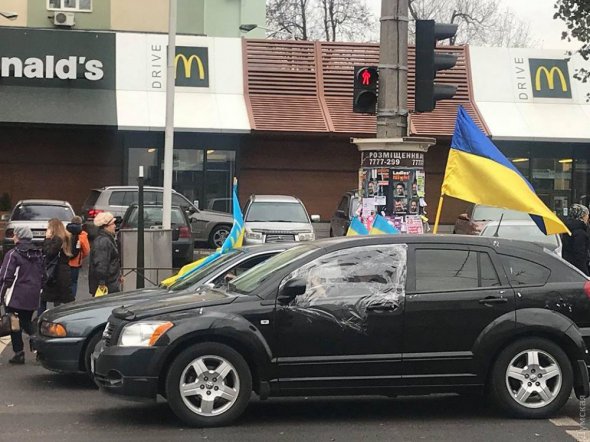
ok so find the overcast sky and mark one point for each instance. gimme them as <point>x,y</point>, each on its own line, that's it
<point>538,13</point>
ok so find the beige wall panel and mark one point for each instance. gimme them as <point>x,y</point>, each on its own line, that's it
<point>140,15</point>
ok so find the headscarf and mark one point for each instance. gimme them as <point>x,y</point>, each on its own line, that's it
<point>577,211</point>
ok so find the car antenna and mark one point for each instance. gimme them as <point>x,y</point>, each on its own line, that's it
<point>498,228</point>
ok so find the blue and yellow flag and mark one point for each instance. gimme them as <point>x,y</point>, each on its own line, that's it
<point>356,228</point>
<point>479,173</point>
<point>382,227</point>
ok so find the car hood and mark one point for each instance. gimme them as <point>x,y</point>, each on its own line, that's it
<point>202,298</point>
<point>82,309</point>
<point>211,215</point>
<point>279,226</point>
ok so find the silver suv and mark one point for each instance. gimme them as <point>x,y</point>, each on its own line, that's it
<point>206,226</point>
<point>277,218</point>
<point>35,214</point>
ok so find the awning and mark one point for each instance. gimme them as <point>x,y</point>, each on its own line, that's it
<point>530,94</point>
<point>209,86</point>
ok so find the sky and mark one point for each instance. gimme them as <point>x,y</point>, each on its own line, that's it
<point>538,13</point>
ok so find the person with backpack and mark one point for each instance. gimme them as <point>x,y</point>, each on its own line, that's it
<point>21,280</point>
<point>57,249</point>
<point>80,250</point>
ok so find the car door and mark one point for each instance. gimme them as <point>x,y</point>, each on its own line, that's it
<point>346,330</point>
<point>454,293</point>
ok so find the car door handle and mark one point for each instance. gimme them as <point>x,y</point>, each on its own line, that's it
<point>381,307</point>
<point>493,300</point>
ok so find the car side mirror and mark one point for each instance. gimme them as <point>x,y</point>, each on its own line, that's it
<point>315,218</point>
<point>196,204</point>
<point>5,217</point>
<point>191,209</point>
<point>118,220</point>
<point>464,217</point>
<point>291,290</point>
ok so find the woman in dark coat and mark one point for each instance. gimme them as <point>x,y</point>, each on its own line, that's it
<point>576,246</point>
<point>57,246</point>
<point>104,265</point>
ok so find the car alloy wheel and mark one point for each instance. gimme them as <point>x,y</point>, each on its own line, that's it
<point>218,236</point>
<point>533,378</point>
<point>209,385</point>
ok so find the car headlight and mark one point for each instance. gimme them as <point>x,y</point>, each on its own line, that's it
<point>143,334</point>
<point>307,236</point>
<point>249,234</point>
<point>53,329</point>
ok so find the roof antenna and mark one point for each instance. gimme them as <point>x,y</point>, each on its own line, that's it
<point>498,228</point>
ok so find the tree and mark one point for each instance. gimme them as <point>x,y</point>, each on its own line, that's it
<point>576,14</point>
<point>330,20</point>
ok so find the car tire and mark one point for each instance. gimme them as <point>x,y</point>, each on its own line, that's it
<point>218,235</point>
<point>93,341</point>
<point>229,391</point>
<point>532,378</point>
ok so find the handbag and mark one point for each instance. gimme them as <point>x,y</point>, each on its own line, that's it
<point>101,291</point>
<point>8,322</point>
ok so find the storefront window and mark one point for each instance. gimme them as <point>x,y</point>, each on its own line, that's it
<point>552,180</point>
<point>581,172</point>
<point>221,166</point>
<point>187,176</point>
<point>146,157</point>
<point>522,164</point>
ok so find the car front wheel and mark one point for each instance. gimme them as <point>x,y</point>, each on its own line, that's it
<point>532,378</point>
<point>218,235</point>
<point>208,385</point>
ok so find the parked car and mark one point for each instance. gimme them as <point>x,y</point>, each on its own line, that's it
<point>476,216</point>
<point>381,315</point>
<point>523,230</point>
<point>35,214</point>
<point>68,334</point>
<point>346,210</point>
<point>220,204</point>
<point>206,226</point>
<point>277,218</point>
<point>183,246</point>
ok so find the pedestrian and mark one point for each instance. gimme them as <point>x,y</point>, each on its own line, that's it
<point>57,249</point>
<point>21,281</point>
<point>80,250</point>
<point>104,266</point>
<point>577,246</point>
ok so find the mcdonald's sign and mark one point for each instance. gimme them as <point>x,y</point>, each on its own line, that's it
<point>192,66</point>
<point>550,78</point>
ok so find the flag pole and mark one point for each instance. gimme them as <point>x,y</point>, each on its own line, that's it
<point>438,211</point>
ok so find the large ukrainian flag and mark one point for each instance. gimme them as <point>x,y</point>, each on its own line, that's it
<point>479,173</point>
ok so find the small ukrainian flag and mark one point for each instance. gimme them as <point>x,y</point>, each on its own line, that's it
<point>356,228</point>
<point>382,227</point>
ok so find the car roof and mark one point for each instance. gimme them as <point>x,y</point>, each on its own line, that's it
<point>521,222</point>
<point>275,198</point>
<point>44,202</point>
<point>102,189</point>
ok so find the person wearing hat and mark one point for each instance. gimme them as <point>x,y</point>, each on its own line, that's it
<point>104,264</point>
<point>21,280</point>
<point>576,247</point>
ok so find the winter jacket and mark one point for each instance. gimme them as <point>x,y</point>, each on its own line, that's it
<point>104,265</point>
<point>76,230</point>
<point>21,276</point>
<point>60,289</point>
<point>576,247</point>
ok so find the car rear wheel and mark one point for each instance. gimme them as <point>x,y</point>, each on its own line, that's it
<point>532,378</point>
<point>218,235</point>
<point>208,385</point>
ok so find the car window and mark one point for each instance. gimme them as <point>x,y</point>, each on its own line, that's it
<point>276,212</point>
<point>524,272</point>
<point>443,269</point>
<point>526,232</point>
<point>240,269</point>
<point>489,277</point>
<point>41,212</point>
<point>341,285</point>
<point>152,216</point>
<point>197,275</point>
<point>354,206</point>
<point>117,198</point>
<point>343,205</point>
<point>178,200</point>
<point>92,198</point>
<point>486,213</point>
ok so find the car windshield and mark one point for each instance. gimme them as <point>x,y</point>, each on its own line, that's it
<point>354,206</point>
<point>486,213</point>
<point>41,212</point>
<point>529,233</point>
<point>250,280</point>
<point>277,212</point>
<point>205,270</point>
<point>152,216</point>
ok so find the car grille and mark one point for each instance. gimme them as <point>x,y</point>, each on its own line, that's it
<point>280,237</point>
<point>107,335</point>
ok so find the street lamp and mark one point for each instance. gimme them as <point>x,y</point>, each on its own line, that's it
<point>251,26</point>
<point>9,15</point>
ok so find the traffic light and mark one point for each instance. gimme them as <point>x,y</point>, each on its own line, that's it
<point>366,79</point>
<point>429,62</point>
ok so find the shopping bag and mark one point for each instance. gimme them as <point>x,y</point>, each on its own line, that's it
<point>101,291</point>
<point>5,322</point>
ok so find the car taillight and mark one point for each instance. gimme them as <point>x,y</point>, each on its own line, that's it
<point>93,212</point>
<point>587,289</point>
<point>184,232</point>
<point>9,233</point>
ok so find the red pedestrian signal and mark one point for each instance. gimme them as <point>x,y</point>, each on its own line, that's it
<point>366,80</point>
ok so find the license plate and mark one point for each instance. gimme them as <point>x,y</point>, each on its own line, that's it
<point>38,234</point>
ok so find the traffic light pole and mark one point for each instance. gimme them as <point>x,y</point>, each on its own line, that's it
<point>392,102</point>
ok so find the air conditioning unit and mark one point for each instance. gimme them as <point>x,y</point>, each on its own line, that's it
<point>63,19</point>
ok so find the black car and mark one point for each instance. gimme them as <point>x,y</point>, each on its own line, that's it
<point>68,334</point>
<point>346,210</point>
<point>383,315</point>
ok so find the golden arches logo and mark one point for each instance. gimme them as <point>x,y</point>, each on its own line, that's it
<point>550,76</point>
<point>188,63</point>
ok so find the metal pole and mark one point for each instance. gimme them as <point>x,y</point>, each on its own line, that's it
<point>169,133</point>
<point>140,281</point>
<point>392,104</point>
